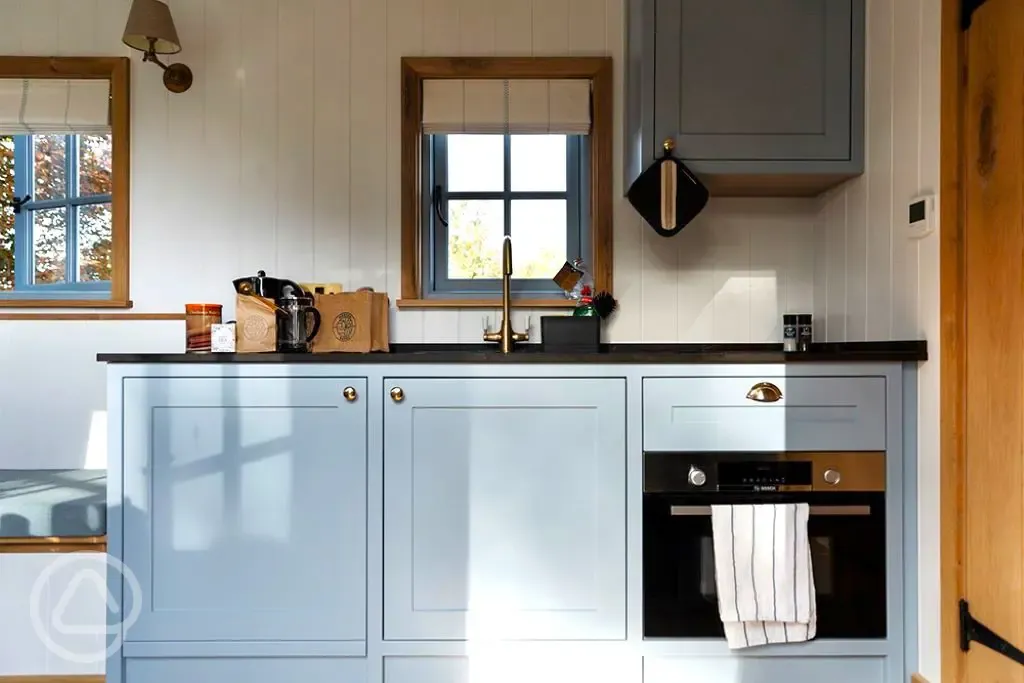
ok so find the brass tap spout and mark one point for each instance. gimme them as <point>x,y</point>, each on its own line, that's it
<point>505,335</point>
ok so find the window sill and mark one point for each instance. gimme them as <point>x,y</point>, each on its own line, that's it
<point>54,544</point>
<point>484,303</point>
<point>63,303</point>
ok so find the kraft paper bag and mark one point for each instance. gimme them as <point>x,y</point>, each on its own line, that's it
<point>353,322</point>
<point>255,324</point>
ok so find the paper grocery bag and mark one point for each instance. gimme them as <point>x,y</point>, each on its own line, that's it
<point>255,324</point>
<point>355,322</point>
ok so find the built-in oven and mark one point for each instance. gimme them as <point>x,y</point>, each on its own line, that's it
<point>846,530</point>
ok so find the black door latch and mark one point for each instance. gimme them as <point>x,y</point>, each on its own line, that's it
<point>972,629</point>
<point>967,10</point>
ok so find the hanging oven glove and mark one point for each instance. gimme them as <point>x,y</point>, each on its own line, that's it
<point>667,195</point>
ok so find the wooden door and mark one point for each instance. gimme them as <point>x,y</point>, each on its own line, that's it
<point>986,367</point>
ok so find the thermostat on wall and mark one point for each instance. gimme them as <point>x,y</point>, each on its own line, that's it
<point>921,216</point>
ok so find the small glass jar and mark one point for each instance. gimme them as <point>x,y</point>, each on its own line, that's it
<point>199,320</point>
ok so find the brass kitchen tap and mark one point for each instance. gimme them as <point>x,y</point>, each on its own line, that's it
<point>505,335</point>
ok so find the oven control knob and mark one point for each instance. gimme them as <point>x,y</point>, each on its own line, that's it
<point>832,477</point>
<point>697,477</point>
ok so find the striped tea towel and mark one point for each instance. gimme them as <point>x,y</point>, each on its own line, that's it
<point>763,573</point>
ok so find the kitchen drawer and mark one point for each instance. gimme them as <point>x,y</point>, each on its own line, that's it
<point>752,669</point>
<point>814,414</point>
<point>249,669</point>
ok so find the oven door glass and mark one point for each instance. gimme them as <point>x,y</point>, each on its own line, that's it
<point>847,538</point>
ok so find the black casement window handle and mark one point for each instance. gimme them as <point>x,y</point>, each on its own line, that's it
<point>18,202</point>
<point>972,629</point>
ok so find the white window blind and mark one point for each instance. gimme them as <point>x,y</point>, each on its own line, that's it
<point>54,105</point>
<point>560,106</point>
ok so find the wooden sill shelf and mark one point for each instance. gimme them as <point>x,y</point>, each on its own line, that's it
<point>54,544</point>
<point>66,678</point>
<point>484,303</point>
<point>90,316</point>
<point>65,303</point>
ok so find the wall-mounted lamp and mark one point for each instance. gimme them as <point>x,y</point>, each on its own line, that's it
<point>150,29</point>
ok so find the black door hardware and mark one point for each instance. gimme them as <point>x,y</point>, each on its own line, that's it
<point>972,629</point>
<point>967,10</point>
<point>17,203</point>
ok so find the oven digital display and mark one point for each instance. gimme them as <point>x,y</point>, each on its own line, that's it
<point>763,476</point>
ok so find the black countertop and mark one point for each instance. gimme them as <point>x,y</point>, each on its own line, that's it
<point>894,351</point>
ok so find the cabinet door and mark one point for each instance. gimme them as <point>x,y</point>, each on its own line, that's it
<point>245,508</point>
<point>750,80</point>
<point>504,509</point>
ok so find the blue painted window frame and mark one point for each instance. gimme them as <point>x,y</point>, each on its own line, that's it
<point>24,261</point>
<point>436,283</point>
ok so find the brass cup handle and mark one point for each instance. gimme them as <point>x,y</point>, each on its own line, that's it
<point>764,392</point>
<point>397,394</point>
<point>350,394</point>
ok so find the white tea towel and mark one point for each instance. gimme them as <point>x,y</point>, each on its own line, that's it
<point>763,573</point>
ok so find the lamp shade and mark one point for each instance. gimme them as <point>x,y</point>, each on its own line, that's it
<point>150,21</point>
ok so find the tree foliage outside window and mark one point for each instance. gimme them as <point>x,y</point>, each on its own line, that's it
<point>68,218</point>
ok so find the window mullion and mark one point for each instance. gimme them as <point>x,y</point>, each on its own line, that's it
<point>573,206</point>
<point>71,219</point>
<point>507,198</point>
<point>23,180</point>
<point>439,231</point>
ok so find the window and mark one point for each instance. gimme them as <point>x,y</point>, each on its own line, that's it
<point>483,187</point>
<point>56,224</point>
<point>516,147</point>
<point>64,184</point>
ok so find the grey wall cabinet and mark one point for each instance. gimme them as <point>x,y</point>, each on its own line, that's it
<point>762,97</point>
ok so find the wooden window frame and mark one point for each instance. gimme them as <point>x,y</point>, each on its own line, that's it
<point>117,71</point>
<point>598,70</point>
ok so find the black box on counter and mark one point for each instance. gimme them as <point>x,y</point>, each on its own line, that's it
<point>570,334</point>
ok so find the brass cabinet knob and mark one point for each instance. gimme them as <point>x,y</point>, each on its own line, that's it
<point>764,392</point>
<point>350,394</point>
<point>397,394</point>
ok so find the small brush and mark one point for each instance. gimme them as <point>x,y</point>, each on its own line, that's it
<point>604,304</point>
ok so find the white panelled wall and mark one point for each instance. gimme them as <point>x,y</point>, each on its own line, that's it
<point>873,280</point>
<point>284,156</point>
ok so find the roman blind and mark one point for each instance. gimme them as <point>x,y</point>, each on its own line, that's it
<point>54,105</point>
<point>560,106</point>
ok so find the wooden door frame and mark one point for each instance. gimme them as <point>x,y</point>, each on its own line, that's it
<point>952,331</point>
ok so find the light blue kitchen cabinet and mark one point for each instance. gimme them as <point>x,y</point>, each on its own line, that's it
<point>759,96</point>
<point>504,509</point>
<point>244,509</point>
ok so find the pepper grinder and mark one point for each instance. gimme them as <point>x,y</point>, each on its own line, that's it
<point>789,332</point>
<point>805,331</point>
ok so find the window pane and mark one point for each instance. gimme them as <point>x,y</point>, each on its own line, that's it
<point>49,155</point>
<point>49,236</point>
<point>94,242</point>
<point>476,229</point>
<point>94,164</point>
<point>476,163</point>
<point>6,213</point>
<point>538,238</point>
<point>538,163</point>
